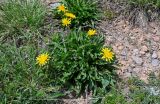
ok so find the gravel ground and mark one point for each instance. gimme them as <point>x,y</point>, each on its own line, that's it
<point>137,51</point>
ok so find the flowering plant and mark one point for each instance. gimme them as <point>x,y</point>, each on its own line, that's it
<point>81,12</point>
<point>80,61</point>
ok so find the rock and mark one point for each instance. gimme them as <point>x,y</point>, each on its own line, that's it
<point>156,38</point>
<point>120,47</point>
<point>137,60</point>
<point>127,75</point>
<point>144,49</point>
<point>135,52</point>
<point>155,62</point>
<point>124,52</point>
<point>155,47</point>
<point>148,55</point>
<point>154,55</point>
<point>142,52</point>
<point>158,54</point>
<point>114,48</point>
<point>133,65</point>
<point>123,62</point>
<point>143,77</point>
<point>135,71</point>
<point>54,5</point>
<point>158,32</point>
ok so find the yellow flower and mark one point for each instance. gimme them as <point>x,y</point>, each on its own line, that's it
<point>70,15</point>
<point>66,21</point>
<point>108,55</point>
<point>42,59</point>
<point>61,8</point>
<point>91,32</point>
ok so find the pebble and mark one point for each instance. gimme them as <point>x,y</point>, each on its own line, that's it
<point>155,62</point>
<point>114,48</point>
<point>137,60</point>
<point>54,5</point>
<point>124,53</point>
<point>123,62</point>
<point>144,49</point>
<point>142,52</point>
<point>148,55</point>
<point>127,74</point>
<point>135,52</point>
<point>120,47</point>
<point>156,38</point>
<point>135,71</point>
<point>154,55</point>
<point>154,47</point>
<point>158,54</point>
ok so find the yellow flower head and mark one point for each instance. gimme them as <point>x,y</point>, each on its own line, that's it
<point>42,59</point>
<point>66,21</point>
<point>70,15</point>
<point>91,32</point>
<point>61,8</point>
<point>107,54</point>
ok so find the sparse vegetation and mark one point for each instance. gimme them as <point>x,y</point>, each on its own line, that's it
<point>139,92</point>
<point>20,16</point>
<point>75,58</point>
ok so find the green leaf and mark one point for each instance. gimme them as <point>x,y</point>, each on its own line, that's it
<point>105,83</point>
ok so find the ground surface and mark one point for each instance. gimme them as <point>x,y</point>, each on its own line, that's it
<point>137,51</point>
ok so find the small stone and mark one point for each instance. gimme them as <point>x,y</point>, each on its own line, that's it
<point>154,47</point>
<point>142,52</point>
<point>123,62</point>
<point>144,49</point>
<point>154,55</point>
<point>135,51</point>
<point>154,31</point>
<point>121,23</point>
<point>144,77</point>
<point>135,71</point>
<point>124,53</point>
<point>155,62</point>
<point>137,60</point>
<point>127,75</point>
<point>158,32</point>
<point>156,38</point>
<point>158,54</point>
<point>148,55</point>
<point>54,5</point>
<point>133,65</point>
<point>120,47</point>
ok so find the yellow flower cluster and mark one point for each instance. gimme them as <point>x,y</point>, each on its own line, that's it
<point>106,53</point>
<point>68,16</point>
